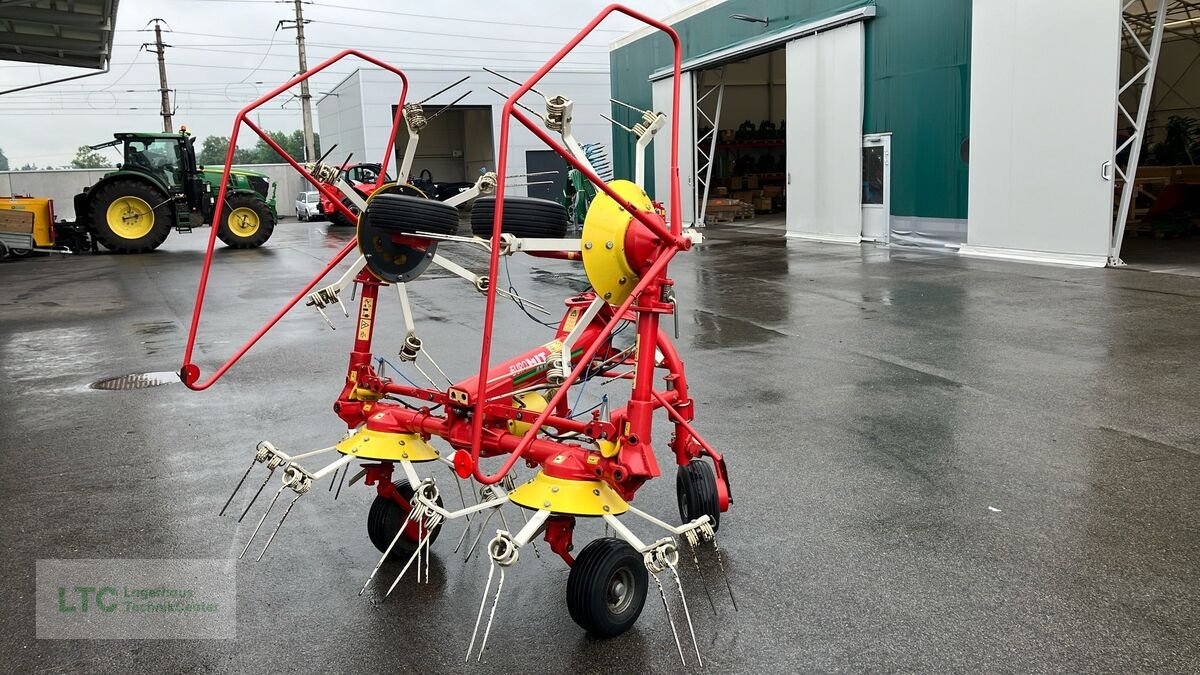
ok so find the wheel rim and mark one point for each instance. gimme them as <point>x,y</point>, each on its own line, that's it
<point>130,217</point>
<point>244,221</point>
<point>619,592</point>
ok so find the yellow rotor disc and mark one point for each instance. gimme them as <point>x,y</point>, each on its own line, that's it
<point>572,497</point>
<point>603,237</point>
<point>387,446</point>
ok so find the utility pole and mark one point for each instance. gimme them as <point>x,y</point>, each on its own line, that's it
<point>160,50</point>
<point>305,97</point>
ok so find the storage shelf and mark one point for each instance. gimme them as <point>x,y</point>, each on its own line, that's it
<point>750,145</point>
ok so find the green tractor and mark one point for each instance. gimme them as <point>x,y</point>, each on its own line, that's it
<point>159,187</point>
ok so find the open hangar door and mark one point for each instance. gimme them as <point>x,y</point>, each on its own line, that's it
<point>454,149</point>
<point>776,128</point>
<point>1157,163</point>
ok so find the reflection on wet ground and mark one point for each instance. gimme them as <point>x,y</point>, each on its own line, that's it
<point>939,464</point>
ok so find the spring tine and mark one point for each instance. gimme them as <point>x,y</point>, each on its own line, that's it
<point>686,613</point>
<point>432,524</point>
<point>263,519</point>
<point>725,574</point>
<point>420,532</point>
<point>323,316</point>
<point>662,594</point>
<point>703,581</point>
<point>339,299</point>
<point>462,497</point>
<point>422,372</point>
<point>340,481</point>
<point>239,486</point>
<point>256,494</point>
<point>478,536</point>
<point>331,480</point>
<point>482,603</point>
<point>420,544</point>
<point>488,631</point>
<point>399,533</point>
<point>439,368</point>
<point>277,526</point>
<point>463,537</point>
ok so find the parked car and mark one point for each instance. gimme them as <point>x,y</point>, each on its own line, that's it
<point>308,205</point>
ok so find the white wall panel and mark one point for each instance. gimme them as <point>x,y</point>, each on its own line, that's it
<point>824,135</point>
<point>661,148</point>
<point>1043,122</point>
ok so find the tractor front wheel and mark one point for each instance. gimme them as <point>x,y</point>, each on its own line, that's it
<point>130,216</point>
<point>246,222</point>
<point>607,587</point>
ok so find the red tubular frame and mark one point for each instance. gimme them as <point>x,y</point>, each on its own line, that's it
<point>672,237</point>
<point>190,372</point>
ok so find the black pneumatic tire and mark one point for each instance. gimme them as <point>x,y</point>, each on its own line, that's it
<point>592,596</point>
<point>696,488</point>
<point>406,214</point>
<point>523,217</point>
<point>159,203</point>
<point>386,516</point>
<point>338,219</point>
<point>232,234</point>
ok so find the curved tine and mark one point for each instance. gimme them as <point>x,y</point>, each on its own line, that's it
<point>482,603</point>
<point>239,486</point>
<point>488,631</point>
<point>256,494</point>
<point>263,519</point>
<point>667,608</point>
<point>686,613</point>
<point>399,533</point>
<point>721,564</point>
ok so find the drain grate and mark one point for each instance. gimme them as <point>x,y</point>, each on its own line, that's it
<point>136,381</point>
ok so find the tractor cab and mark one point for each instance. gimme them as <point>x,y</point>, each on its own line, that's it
<point>169,160</point>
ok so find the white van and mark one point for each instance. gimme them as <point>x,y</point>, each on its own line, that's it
<point>308,205</point>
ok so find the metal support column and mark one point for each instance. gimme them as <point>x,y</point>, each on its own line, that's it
<point>706,143</point>
<point>1144,77</point>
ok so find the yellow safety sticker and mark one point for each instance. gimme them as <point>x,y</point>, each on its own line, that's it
<point>593,459</point>
<point>572,319</point>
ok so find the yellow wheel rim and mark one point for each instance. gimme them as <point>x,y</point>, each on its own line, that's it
<point>244,221</point>
<point>130,217</point>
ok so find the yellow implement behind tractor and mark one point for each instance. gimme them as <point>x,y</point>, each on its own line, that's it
<point>26,224</point>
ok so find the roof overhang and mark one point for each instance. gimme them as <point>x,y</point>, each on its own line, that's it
<point>768,42</point>
<point>73,33</point>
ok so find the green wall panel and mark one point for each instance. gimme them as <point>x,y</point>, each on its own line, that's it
<point>917,85</point>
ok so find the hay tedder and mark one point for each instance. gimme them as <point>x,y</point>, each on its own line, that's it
<point>587,465</point>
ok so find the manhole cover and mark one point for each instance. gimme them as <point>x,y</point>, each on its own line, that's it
<point>136,381</point>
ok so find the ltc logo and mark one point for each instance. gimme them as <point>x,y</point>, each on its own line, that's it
<point>85,594</point>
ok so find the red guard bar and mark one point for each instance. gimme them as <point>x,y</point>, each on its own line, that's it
<point>673,237</point>
<point>190,372</point>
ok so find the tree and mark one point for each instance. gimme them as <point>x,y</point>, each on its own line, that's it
<point>3,161</point>
<point>293,143</point>
<point>86,158</point>
<point>212,152</point>
<point>28,167</point>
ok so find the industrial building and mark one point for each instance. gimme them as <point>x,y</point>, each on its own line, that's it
<point>461,141</point>
<point>972,126</point>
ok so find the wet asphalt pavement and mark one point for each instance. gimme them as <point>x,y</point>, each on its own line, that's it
<point>938,464</point>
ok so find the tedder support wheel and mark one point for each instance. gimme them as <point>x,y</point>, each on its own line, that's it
<point>407,214</point>
<point>607,587</point>
<point>524,217</point>
<point>386,516</point>
<point>246,222</point>
<point>696,487</point>
<point>130,216</point>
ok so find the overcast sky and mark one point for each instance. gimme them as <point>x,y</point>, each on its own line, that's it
<point>227,52</point>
